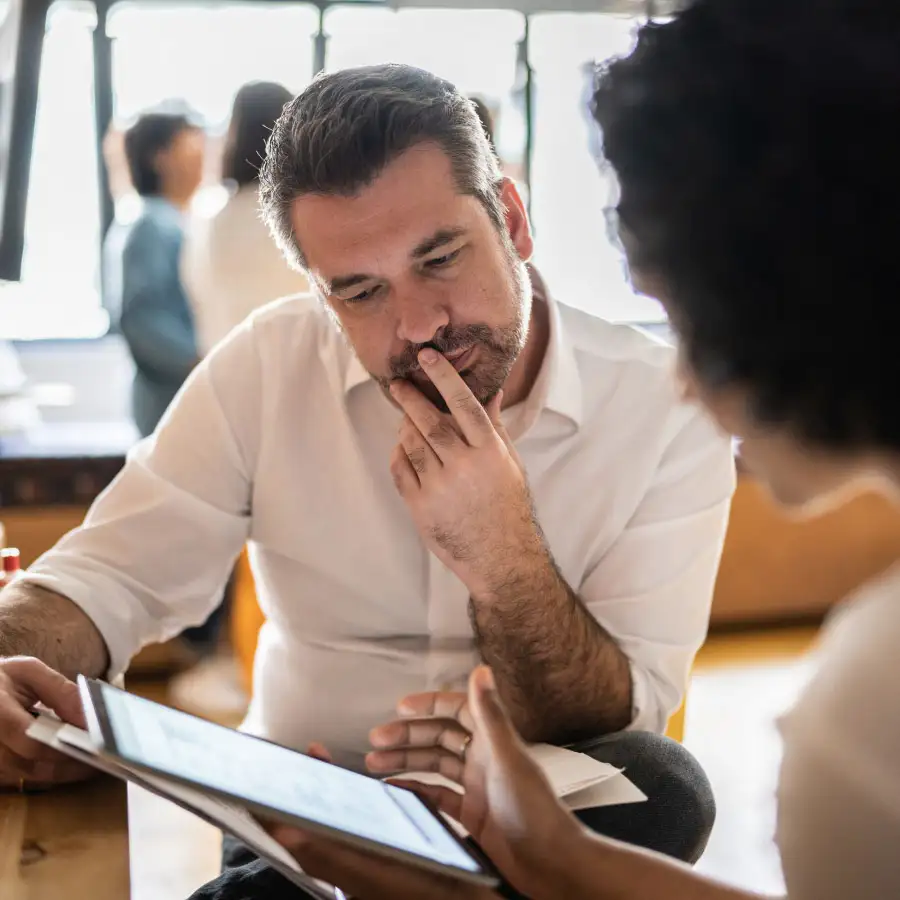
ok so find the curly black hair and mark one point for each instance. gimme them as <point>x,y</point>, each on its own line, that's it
<point>757,148</point>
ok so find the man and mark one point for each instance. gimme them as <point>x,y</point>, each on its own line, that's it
<point>756,150</point>
<point>373,446</point>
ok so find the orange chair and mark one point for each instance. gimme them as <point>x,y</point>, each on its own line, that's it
<point>246,620</point>
<point>675,728</point>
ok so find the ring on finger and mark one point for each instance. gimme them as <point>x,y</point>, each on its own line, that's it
<point>465,747</point>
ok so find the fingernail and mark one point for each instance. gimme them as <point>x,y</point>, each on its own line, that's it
<point>486,679</point>
<point>394,387</point>
<point>428,356</point>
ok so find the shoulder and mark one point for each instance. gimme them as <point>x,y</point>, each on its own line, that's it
<point>858,668</point>
<point>296,331</point>
<point>594,338</point>
<point>629,380</point>
<point>154,227</point>
<point>840,772</point>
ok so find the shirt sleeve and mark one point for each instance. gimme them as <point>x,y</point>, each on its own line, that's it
<point>155,319</point>
<point>157,547</point>
<point>652,590</point>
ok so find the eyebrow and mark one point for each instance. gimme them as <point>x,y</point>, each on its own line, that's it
<point>345,282</point>
<point>437,240</point>
<point>429,245</point>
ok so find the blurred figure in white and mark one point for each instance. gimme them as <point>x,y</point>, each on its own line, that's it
<point>230,264</point>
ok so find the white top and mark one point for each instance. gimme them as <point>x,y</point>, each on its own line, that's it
<point>280,436</point>
<point>231,266</point>
<point>839,795</point>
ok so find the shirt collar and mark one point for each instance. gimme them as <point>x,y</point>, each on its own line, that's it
<point>558,385</point>
<point>356,374</point>
<point>563,384</point>
<point>160,206</point>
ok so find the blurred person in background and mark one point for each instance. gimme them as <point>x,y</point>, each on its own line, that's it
<point>165,154</point>
<point>231,265</point>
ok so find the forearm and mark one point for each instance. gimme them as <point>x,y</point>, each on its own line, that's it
<point>561,674</point>
<point>601,869</point>
<point>37,622</point>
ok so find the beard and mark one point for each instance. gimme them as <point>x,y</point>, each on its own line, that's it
<point>497,350</point>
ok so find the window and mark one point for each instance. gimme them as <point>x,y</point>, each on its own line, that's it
<point>60,264</point>
<point>476,49</point>
<point>569,192</point>
<point>208,52</point>
<point>196,53</point>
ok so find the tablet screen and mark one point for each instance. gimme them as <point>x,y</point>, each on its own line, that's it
<point>277,778</point>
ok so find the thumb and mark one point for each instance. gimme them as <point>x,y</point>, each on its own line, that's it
<point>491,719</point>
<point>49,687</point>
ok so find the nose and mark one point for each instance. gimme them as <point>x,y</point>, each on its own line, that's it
<point>420,316</point>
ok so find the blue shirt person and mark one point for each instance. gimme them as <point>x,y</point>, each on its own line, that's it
<point>143,286</point>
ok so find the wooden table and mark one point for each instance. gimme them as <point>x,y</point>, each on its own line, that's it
<point>67,843</point>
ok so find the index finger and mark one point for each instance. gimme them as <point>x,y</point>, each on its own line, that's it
<point>49,686</point>
<point>464,406</point>
<point>437,705</point>
<point>14,723</point>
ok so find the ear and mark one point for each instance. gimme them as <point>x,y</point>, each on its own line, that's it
<point>517,219</point>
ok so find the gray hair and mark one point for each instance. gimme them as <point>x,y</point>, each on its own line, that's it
<point>340,134</point>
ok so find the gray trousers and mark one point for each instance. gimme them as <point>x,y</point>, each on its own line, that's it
<point>676,819</point>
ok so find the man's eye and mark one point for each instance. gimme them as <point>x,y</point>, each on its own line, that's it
<point>362,296</point>
<point>440,262</point>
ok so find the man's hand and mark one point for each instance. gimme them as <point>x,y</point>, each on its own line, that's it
<point>25,682</point>
<point>507,806</point>
<point>463,482</point>
<point>432,734</point>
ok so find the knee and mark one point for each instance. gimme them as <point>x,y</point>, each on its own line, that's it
<point>680,810</point>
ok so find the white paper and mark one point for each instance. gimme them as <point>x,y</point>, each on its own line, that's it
<point>615,791</point>
<point>579,781</point>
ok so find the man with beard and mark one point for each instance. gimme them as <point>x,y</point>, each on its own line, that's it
<point>433,465</point>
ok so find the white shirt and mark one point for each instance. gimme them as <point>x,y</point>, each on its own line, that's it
<point>280,437</point>
<point>839,793</point>
<point>231,266</point>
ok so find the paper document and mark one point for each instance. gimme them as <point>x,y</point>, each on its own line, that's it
<point>579,781</point>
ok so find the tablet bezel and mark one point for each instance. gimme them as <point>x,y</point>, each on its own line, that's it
<point>101,729</point>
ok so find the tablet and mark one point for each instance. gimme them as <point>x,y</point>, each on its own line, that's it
<point>277,783</point>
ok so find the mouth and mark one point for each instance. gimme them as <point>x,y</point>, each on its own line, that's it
<point>460,359</point>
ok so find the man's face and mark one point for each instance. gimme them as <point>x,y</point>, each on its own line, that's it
<point>409,262</point>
